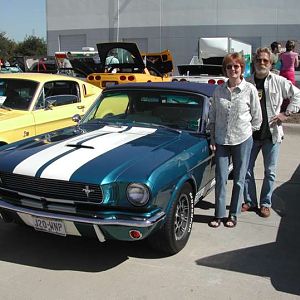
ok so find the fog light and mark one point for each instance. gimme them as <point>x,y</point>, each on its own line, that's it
<point>135,234</point>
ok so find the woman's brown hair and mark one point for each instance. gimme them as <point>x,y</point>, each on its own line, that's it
<point>229,58</point>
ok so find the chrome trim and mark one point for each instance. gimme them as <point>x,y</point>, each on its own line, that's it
<point>99,233</point>
<point>47,198</point>
<point>138,222</point>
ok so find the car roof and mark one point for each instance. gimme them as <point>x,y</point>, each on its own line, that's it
<point>41,77</point>
<point>203,88</point>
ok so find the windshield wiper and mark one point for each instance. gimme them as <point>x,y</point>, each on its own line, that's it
<point>158,126</point>
<point>112,123</point>
<point>5,107</point>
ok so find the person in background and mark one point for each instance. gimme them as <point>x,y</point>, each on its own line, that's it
<point>66,66</point>
<point>289,61</point>
<point>276,50</point>
<point>111,60</point>
<point>234,113</point>
<point>272,89</point>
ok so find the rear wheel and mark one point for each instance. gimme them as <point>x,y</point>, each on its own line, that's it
<point>174,234</point>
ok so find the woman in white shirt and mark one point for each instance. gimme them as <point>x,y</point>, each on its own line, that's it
<point>234,113</point>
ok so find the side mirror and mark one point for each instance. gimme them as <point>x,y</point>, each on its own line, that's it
<point>49,105</point>
<point>50,102</point>
<point>76,118</point>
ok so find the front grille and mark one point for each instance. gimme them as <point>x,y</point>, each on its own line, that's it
<point>52,188</point>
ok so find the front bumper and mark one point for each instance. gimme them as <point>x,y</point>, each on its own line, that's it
<point>112,226</point>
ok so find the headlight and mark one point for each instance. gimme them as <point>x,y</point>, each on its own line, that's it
<point>137,194</point>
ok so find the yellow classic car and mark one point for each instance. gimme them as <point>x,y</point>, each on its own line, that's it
<point>122,62</point>
<point>32,103</point>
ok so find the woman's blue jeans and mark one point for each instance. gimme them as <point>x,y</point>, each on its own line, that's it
<point>270,153</point>
<point>240,158</point>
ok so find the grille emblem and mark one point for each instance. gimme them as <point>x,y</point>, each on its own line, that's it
<point>87,190</point>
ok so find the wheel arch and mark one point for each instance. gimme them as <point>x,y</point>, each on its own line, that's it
<point>180,183</point>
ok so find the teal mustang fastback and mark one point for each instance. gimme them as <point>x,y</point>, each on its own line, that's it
<point>132,168</point>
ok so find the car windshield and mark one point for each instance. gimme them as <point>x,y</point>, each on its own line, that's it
<point>176,110</point>
<point>122,61</point>
<point>17,93</point>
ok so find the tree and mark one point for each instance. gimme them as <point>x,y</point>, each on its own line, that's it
<point>31,46</point>
<point>7,47</point>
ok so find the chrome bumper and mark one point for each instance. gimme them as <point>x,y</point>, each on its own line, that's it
<point>131,222</point>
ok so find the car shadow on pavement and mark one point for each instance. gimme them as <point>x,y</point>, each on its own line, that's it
<point>22,245</point>
<point>280,260</point>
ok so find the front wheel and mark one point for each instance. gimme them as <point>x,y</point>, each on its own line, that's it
<point>174,234</point>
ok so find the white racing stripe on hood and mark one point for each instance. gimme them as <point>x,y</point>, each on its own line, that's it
<point>71,162</point>
<point>33,163</point>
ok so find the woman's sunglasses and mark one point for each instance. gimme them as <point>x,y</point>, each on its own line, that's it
<point>229,67</point>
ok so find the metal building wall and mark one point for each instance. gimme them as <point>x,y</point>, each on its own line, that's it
<point>170,24</point>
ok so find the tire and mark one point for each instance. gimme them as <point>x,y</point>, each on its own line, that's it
<point>174,234</point>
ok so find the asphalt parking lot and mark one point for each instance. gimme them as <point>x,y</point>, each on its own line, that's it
<point>259,259</point>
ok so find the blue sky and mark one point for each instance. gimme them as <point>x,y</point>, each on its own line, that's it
<point>21,18</point>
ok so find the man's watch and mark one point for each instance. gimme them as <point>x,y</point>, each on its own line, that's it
<point>287,113</point>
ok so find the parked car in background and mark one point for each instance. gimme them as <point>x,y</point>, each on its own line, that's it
<point>123,63</point>
<point>133,168</point>
<point>36,64</point>
<point>78,63</point>
<point>32,104</point>
<point>9,68</point>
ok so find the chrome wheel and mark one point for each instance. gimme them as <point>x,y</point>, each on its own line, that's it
<point>181,217</point>
<point>174,234</point>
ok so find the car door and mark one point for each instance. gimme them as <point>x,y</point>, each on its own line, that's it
<point>209,164</point>
<point>57,103</point>
<point>16,119</point>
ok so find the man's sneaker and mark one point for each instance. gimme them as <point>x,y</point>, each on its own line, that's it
<point>265,212</point>
<point>248,207</point>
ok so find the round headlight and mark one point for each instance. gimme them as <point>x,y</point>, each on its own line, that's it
<point>137,194</point>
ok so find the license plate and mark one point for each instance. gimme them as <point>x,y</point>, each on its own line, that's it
<point>49,225</point>
<point>109,83</point>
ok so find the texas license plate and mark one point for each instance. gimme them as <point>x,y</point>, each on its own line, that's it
<point>49,225</point>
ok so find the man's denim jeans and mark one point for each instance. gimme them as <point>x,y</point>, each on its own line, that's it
<point>240,158</point>
<point>270,154</point>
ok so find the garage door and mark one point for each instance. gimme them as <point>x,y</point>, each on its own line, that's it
<point>72,42</point>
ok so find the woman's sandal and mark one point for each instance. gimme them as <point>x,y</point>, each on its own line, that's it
<point>215,222</point>
<point>231,222</point>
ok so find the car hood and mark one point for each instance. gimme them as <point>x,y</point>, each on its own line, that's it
<point>97,156</point>
<point>104,48</point>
